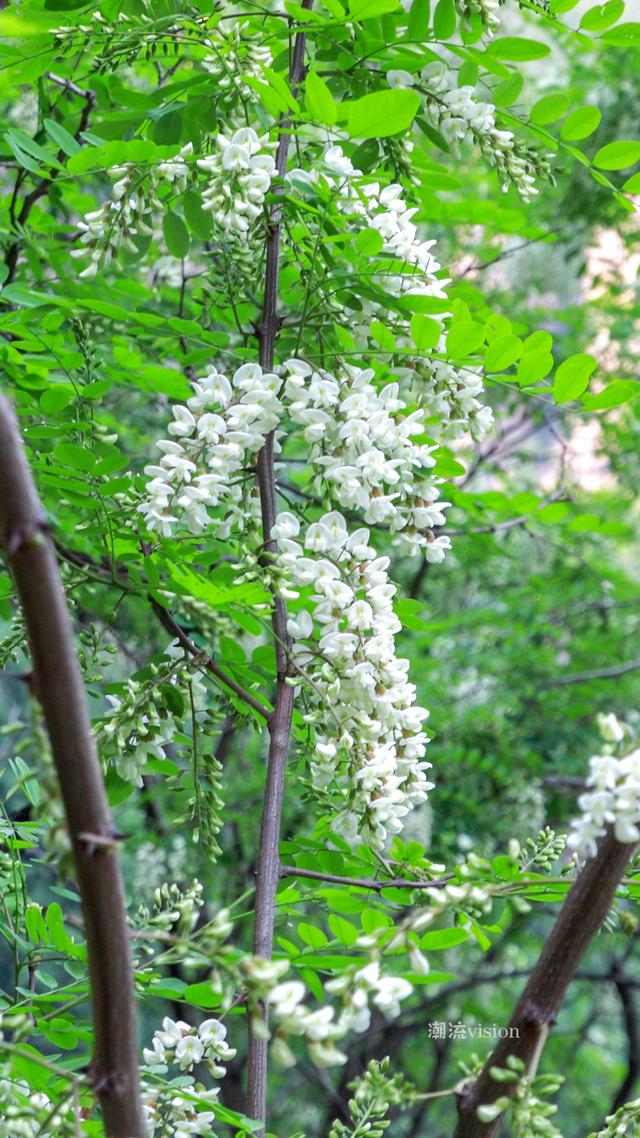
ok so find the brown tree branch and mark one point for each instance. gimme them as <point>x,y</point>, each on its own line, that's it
<point>268,871</point>
<point>172,626</point>
<point>365,882</point>
<point>42,187</point>
<point>24,534</point>
<point>585,908</point>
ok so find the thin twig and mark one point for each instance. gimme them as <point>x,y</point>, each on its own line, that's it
<point>172,626</point>
<point>597,674</point>
<point>268,869</point>
<point>365,882</point>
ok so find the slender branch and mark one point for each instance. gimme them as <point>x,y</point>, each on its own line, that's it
<point>42,187</point>
<point>624,988</point>
<point>24,534</point>
<point>596,674</point>
<point>268,870</point>
<point>365,882</point>
<point>580,918</point>
<point>172,626</point>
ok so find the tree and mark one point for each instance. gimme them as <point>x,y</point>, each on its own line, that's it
<point>225,317</point>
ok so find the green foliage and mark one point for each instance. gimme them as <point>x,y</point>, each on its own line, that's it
<point>511,640</point>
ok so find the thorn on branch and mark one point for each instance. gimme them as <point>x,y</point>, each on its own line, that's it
<point>99,843</point>
<point>31,533</point>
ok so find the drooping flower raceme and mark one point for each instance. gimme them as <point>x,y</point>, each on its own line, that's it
<point>370,743</point>
<point>214,437</point>
<point>140,727</point>
<point>487,10</point>
<point>235,57</point>
<point>362,444</point>
<point>240,172</point>
<point>613,799</point>
<point>458,114</point>
<point>450,396</point>
<point>130,210</point>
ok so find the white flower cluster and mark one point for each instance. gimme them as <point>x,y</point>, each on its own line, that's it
<point>140,727</point>
<point>235,57</point>
<point>453,396</point>
<point>175,1113</point>
<point>384,209</point>
<point>450,395</point>
<point>214,437</point>
<point>457,113</point>
<point>613,797</point>
<point>362,445</point>
<point>240,173</point>
<point>179,1043</point>
<point>488,10</point>
<point>363,988</point>
<point>129,212</point>
<point>25,1113</point>
<point>370,742</point>
<point>173,908</point>
<point>360,988</point>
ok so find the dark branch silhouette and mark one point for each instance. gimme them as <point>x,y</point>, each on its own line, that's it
<point>57,682</point>
<point>585,908</point>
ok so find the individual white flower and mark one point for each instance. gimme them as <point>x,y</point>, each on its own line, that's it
<point>189,1052</point>
<point>173,1031</point>
<point>400,79</point>
<point>611,729</point>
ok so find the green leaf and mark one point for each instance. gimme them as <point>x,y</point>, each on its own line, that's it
<point>518,49</point>
<point>201,995</point>
<point>617,155</point>
<point>534,366</point>
<point>382,114</point>
<point>602,16</point>
<point>176,234</point>
<point>464,338</point>
<point>508,90</point>
<point>63,140</point>
<point>617,393</point>
<point>418,24</point>
<point>383,336</point>
<point>444,19</point>
<point>367,9</point>
<point>409,613</point>
<point>580,123</point>
<point>56,399</point>
<point>503,352</point>
<point>625,35</point>
<point>311,935</point>
<point>425,332</point>
<point>200,222</point>
<point>549,108</point>
<point>632,184</point>
<point>217,596</point>
<point>572,377</point>
<point>343,930</point>
<point>369,242</point>
<point>320,101</point>
<point>443,938</point>
<point>168,129</point>
<point>71,454</point>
